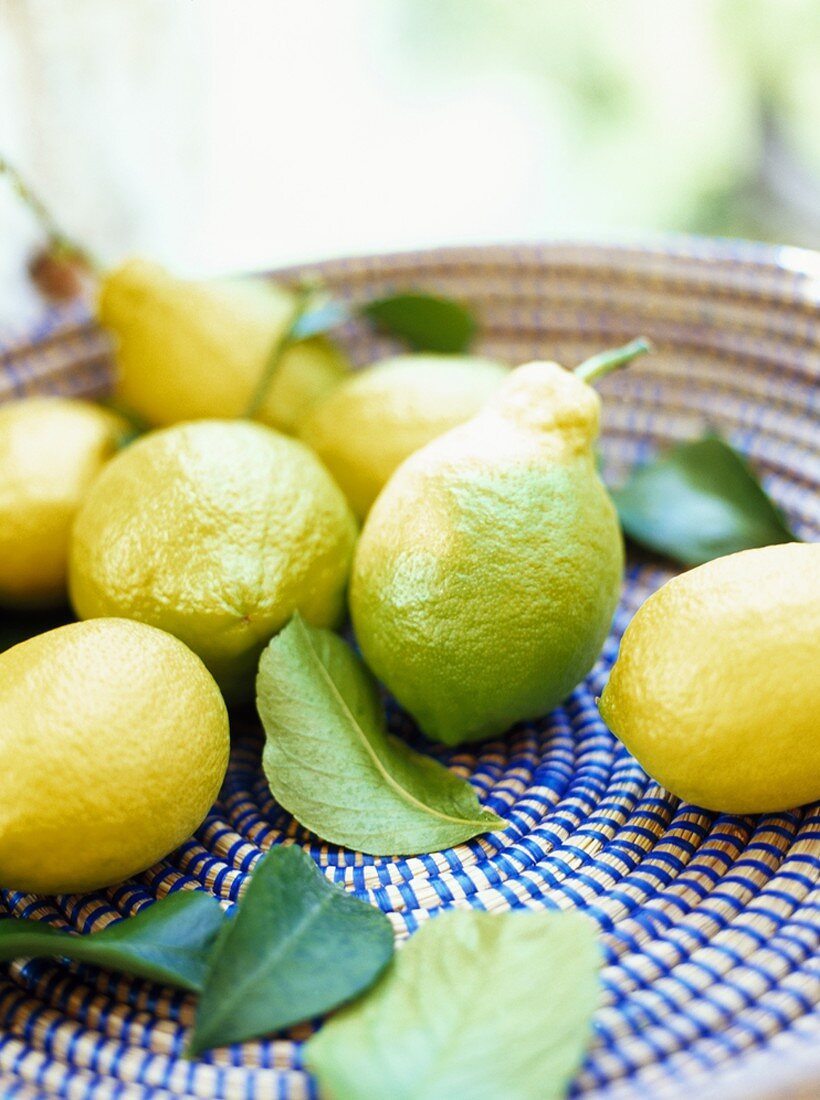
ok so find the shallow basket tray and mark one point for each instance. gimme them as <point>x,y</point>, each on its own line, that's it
<point>710,923</point>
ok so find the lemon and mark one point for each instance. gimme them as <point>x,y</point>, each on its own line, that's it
<point>365,427</point>
<point>216,531</point>
<point>715,686</point>
<point>189,350</point>
<point>490,565</point>
<point>113,746</point>
<point>51,449</point>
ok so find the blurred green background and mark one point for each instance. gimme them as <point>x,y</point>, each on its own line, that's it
<point>219,137</point>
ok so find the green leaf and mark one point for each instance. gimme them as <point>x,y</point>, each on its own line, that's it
<point>320,317</point>
<point>297,947</point>
<point>477,1004</point>
<point>167,942</point>
<point>425,322</point>
<point>330,762</point>
<point>698,502</point>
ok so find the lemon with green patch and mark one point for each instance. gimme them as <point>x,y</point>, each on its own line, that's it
<point>489,568</point>
<point>216,531</point>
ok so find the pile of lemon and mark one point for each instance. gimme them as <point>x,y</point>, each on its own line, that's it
<point>481,586</point>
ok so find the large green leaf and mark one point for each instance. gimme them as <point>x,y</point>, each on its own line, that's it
<point>425,322</point>
<point>698,502</point>
<point>168,941</point>
<point>478,1005</point>
<point>330,762</point>
<point>297,947</point>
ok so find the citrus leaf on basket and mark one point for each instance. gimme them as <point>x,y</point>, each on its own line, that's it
<point>331,763</point>
<point>424,321</point>
<point>698,502</point>
<point>476,1004</point>
<point>167,942</point>
<point>297,948</point>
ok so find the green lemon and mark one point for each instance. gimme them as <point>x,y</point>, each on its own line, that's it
<point>113,746</point>
<point>216,531</point>
<point>489,568</point>
<point>366,426</point>
<point>190,350</point>
<point>714,689</point>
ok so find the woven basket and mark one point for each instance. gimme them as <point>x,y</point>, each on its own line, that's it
<point>710,923</point>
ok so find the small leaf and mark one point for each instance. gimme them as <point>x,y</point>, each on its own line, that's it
<point>320,317</point>
<point>297,947</point>
<point>698,502</point>
<point>330,762</point>
<point>425,322</point>
<point>167,942</point>
<point>479,1005</point>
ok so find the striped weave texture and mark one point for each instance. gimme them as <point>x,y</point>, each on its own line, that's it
<point>710,923</point>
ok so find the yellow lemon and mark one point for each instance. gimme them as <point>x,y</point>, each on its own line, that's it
<point>490,565</point>
<point>216,531</point>
<point>366,427</point>
<point>51,449</point>
<point>113,746</point>
<point>189,350</point>
<point>715,686</point>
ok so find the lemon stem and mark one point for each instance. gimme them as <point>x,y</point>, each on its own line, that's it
<point>59,242</point>
<point>598,366</point>
<point>304,297</point>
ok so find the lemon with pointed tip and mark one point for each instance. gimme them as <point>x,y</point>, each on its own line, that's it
<point>366,426</point>
<point>51,450</point>
<point>190,349</point>
<point>216,531</point>
<point>714,689</point>
<point>113,746</point>
<point>490,565</point>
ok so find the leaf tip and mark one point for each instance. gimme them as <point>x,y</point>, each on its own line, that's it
<point>195,1046</point>
<point>490,817</point>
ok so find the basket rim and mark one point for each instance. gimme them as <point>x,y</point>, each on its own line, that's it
<point>803,264</point>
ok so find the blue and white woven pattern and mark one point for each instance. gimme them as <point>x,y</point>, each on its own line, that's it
<point>710,923</point>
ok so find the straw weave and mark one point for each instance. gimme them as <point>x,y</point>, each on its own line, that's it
<point>710,923</point>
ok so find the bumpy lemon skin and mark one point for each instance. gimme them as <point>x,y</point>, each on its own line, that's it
<point>715,687</point>
<point>367,425</point>
<point>490,566</point>
<point>188,349</point>
<point>51,449</point>
<point>113,747</point>
<point>216,531</point>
